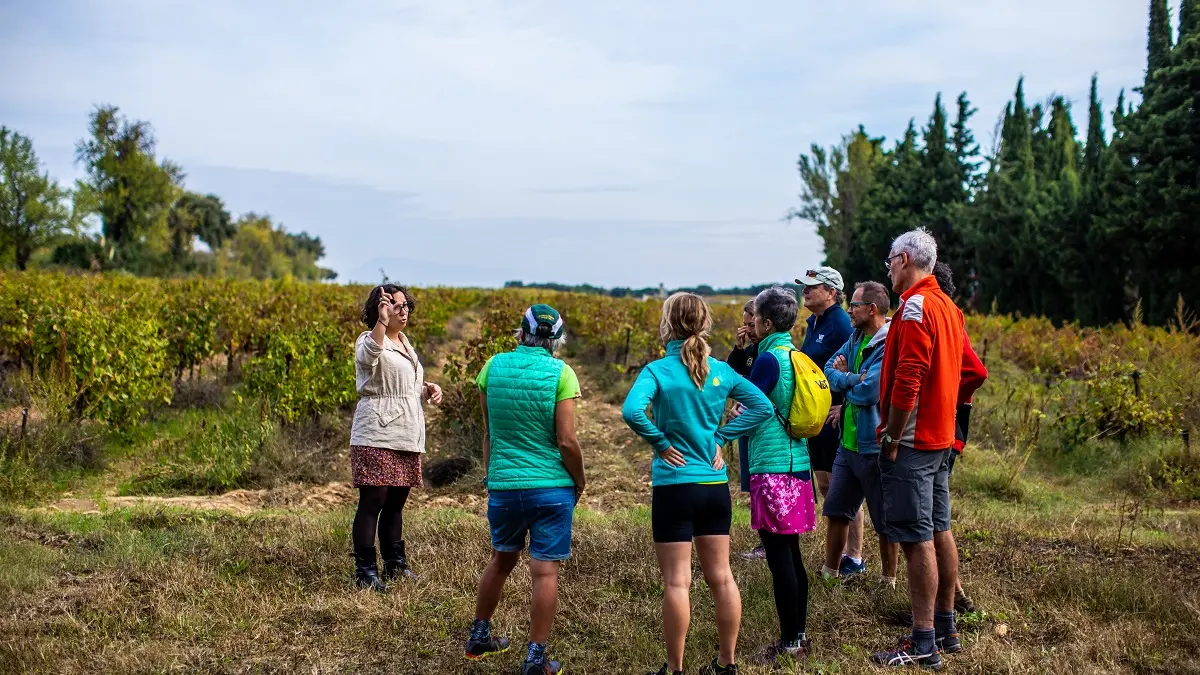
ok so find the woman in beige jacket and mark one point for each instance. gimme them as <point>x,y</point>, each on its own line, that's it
<point>388,436</point>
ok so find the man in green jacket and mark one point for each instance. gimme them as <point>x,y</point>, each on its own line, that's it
<point>534,478</point>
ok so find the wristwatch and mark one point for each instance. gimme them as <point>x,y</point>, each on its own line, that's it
<point>887,439</point>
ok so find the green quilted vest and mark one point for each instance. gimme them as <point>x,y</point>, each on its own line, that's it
<point>522,388</point>
<point>771,449</point>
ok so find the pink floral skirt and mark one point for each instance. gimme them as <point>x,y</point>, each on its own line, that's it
<point>782,504</point>
<point>381,466</point>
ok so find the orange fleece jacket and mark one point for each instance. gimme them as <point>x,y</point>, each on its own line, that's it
<point>922,364</point>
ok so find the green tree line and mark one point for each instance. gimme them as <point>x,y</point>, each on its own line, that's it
<point>133,212</point>
<point>1097,228</point>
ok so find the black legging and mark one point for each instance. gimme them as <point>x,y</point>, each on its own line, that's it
<point>790,581</point>
<point>382,507</point>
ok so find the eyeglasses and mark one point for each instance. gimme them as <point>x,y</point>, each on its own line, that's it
<point>887,262</point>
<point>402,306</point>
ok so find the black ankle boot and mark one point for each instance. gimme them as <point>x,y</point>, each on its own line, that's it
<point>366,572</point>
<point>395,562</point>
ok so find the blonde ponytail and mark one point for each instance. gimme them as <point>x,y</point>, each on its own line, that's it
<point>686,317</point>
<point>695,357</point>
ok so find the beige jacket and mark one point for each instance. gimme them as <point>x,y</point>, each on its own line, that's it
<point>389,414</point>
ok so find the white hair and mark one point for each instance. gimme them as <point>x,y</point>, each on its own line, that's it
<point>551,345</point>
<point>920,247</point>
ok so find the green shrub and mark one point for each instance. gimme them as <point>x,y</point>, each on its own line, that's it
<point>216,459</point>
<point>47,443</point>
<point>305,373</point>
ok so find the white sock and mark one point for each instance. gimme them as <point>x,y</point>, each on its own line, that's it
<point>888,581</point>
<point>825,571</point>
<point>856,561</point>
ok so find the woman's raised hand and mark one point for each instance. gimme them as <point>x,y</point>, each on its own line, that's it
<point>385,307</point>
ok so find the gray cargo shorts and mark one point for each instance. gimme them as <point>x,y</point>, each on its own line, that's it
<point>916,494</point>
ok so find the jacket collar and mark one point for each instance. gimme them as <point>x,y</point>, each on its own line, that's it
<point>537,351</point>
<point>881,334</point>
<point>674,346</point>
<point>923,286</point>
<point>775,340</point>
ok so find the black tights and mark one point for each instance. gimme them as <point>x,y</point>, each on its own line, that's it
<point>790,581</point>
<point>382,507</point>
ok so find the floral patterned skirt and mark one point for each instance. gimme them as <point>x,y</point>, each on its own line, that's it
<point>381,466</point>
<point>782,504</point>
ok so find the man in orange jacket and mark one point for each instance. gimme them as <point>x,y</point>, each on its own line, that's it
<point>919,383</point>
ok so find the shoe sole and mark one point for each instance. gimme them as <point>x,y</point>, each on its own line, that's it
<point>886,666</point>
<point>476,657</point>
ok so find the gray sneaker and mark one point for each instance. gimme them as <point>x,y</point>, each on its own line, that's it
<point>759,553</point>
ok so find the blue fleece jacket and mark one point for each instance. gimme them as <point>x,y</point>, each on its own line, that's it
<point>862,393</point>
<point>688,417</point>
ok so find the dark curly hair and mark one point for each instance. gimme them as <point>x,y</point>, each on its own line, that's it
<point>370,312</point>
<point>945,278</point>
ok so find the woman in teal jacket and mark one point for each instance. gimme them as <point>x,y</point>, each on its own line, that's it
<point>782,506</point>
<point>687,390</point>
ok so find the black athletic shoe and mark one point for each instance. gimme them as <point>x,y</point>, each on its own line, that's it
<point>664,671</point>
<point>963,604</point>
<point>715,668</point>
<point>951,644</point>
<point>477,649</point>
<point>546,667</point>
<point>906,654</point>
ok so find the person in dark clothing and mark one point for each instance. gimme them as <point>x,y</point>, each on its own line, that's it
<point>741,359</point>
<point>745,347</point>
<point>828,329</point>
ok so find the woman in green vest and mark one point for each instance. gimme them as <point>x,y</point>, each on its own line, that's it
<point>687,390</point>
<point>534,478</point>
<point>781,497</point>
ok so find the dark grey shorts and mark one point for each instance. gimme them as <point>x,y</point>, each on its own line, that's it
<point>916,494</point>
<point>855,479</point>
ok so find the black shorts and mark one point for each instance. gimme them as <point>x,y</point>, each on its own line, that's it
<point>822,449</point>
<point>680,512</point>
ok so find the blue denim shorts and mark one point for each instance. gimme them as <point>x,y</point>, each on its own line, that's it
<point>545,514</point>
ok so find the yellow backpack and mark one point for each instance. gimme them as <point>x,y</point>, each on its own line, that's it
<point>811,400</point>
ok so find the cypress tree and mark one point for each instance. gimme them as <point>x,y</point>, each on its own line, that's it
<point>894,205</point>
<point>943,184</point>
<point>966,150</point>
<point>1092,286</point>
<point>1158,48</point>
<point>1165,141</point>
<point>1113,241</point>
<point>1187,18</point>
<point>1008,256</point>
<point>1094,149</point>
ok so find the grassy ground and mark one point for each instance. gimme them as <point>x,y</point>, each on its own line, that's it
<point>1071,573</point>
<point>153,589</point>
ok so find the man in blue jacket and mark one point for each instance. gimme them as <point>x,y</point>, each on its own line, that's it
<point>854,372</point>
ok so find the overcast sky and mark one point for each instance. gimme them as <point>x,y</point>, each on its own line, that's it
<point>616,142</point>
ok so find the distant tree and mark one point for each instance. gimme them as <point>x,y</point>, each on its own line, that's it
<point>33,208</point>
<point>133,191</point>
<point>260,249</point>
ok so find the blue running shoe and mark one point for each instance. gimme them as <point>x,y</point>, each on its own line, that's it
<point>848,568</point>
